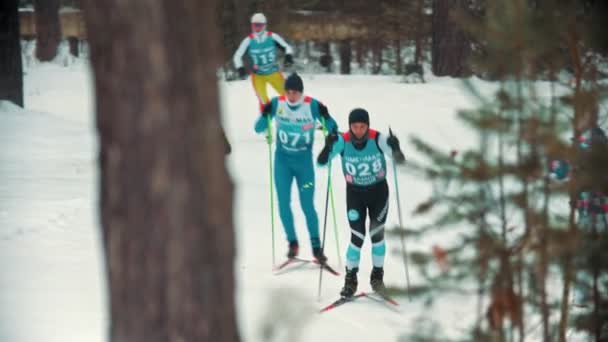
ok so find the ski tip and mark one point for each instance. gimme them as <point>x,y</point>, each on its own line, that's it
<point>325,309</point>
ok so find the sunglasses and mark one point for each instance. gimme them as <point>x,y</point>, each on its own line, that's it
<point>258,24</point>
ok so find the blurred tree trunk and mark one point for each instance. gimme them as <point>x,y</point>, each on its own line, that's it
<point>451,47</point>
<point>307,50</point>
<point>569,271</point>
<point>419,31</point>
<point>326,58</point>
<point>48,29</point>
<point>345,56</point>
<point>11,68</point>
<point>398,9</point>
<point>595,270</point>
<point>73,41</point>
<point>398,62</point>
<point>377,57</point>
<point>166,199</point>
<point>241,18</point>
<point>360,52</point>
<point>525,161</point>
<point>543,233</point>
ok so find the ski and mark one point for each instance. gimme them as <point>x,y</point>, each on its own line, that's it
<point>380,298</point>
<point>283,267</point>
<point>326,267</point>
<point>384,299</point>
<point>387,298</point>
<point>341,301</point>
<point>298,263</point>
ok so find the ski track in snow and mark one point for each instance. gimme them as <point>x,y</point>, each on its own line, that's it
<point>52,287</point>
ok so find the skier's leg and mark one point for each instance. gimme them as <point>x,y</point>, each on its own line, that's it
<point>356,213</point>
<point>283,178</point>
<point>305,178</point>
<point>277,81</point>
<point>378,210</point>
<point>259,87</point>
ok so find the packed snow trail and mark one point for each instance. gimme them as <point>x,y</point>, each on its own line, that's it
<point>52,286</point>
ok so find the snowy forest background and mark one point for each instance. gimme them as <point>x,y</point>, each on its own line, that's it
<point>521,249</point>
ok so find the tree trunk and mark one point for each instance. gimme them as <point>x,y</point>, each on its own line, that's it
<point>345,56</point>
<point>307,50</point>
<point>419,31</point>
<point>11,69</point>
<point>166,199</point>
<point>543,257</point>
<point>48,29</point>
<point>398,62</point>
<point>326,58</point>
<point>569,271</point>
<point>595,270</point>
<point>241,19</point>
<point>377,59</point>
<point>451,47</point>
<point>73,41</point>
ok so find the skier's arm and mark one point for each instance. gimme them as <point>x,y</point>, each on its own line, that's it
<point>321,113</point>
<point>238,55</point>
<point>331,149</point>
<point>261,124</point>
<point>282,44</point>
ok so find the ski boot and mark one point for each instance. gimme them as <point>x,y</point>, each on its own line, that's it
<point>317,252</point>
<point>293,249</point>
<point>376,281</point>
<point>350,283</point>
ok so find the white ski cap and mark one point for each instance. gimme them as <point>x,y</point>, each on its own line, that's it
<point>258,18</point>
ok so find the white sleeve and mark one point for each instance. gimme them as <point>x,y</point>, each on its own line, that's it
<point>283,43</point>
<point>384,145</point>
<point>238,55</point>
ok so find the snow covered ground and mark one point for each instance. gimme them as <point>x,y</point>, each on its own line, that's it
<point>52,286</point>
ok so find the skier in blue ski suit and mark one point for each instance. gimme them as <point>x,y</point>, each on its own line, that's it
<point>363,152</point>
<point>295,116</point>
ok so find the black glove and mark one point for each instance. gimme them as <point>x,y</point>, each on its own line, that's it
<point>242,73</point>
<point>288,61</point>
<point>398,157</point>
<point>393,143</point>
<point>330,139</point>
<point>323,156</point>
<point>323,111</point>
<point>267,109</point>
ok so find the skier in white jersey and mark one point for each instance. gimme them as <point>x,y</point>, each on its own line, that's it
<point>261,47</point>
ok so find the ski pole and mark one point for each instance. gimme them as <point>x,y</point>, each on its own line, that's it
<point>333,216</point>
<point>269,141</point>
<point>401,235</point>
<point>324,226</point>
<point>333,207</point>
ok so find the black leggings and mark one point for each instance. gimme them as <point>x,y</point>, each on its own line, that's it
<point>361,201</point>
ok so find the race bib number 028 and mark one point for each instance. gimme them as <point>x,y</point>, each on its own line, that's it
<point>363,169</point>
